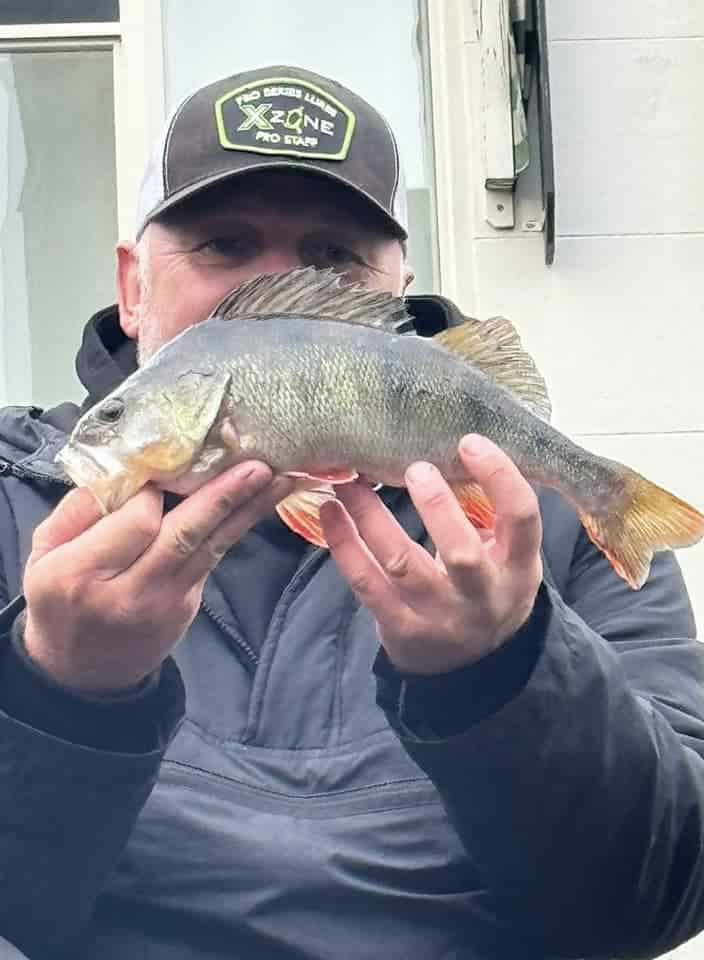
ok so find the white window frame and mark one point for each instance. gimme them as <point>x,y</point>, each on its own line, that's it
<point>450,27</point>
<point>138,66</point>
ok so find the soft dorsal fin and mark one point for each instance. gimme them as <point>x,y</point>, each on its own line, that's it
<point>495,348</point>
<point>309,292</point>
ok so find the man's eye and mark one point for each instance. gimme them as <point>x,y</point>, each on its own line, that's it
<point>226,247</point>
<point>337,254</point>
<point>330,254</point>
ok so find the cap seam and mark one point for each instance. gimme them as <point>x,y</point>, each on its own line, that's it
<point>397,163</point>
<point>169,135</point>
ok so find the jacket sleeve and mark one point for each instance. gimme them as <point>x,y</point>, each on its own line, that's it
<point>67,808</point>
<point>578,788</point>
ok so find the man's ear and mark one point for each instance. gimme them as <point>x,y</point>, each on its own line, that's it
<point>128,288</point>
<point>408,278</point>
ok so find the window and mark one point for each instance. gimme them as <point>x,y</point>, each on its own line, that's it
<point>75,129</point>
<point>58,220</point>
<point>59,11</point>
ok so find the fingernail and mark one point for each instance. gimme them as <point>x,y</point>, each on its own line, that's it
<point>474,445</point>
<point>281,484</point>
<point>332,509</point>
<point>255,471</point>
<point>420,472</point>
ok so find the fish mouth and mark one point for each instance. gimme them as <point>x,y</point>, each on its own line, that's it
<point>102,472</point>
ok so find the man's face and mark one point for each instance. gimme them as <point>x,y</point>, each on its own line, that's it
<point>260,224</point>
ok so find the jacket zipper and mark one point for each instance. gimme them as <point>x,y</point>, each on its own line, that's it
<point>313,557</point>
<point>251,660</point>
<point>13,470</point>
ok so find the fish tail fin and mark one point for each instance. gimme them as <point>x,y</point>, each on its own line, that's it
<point>639,520</point>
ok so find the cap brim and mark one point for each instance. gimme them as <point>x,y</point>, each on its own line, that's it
<point>307,168</point>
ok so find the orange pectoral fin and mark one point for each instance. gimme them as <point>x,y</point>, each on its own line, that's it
<point>477,508</point>
<point>327,476</point>
<point>301,512</point>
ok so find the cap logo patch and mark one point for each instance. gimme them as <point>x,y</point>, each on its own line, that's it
<point>284,116</point>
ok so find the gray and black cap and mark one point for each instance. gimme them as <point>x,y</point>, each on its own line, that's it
<point>274,117</point>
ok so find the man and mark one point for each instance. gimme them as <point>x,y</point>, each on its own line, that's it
<point>377,753</point>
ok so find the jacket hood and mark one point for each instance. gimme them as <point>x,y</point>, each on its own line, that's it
<point>106,356</point>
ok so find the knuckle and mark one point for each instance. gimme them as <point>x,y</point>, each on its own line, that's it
<point>147,526</point>
<point>524,512</point>
<point>360,581</point>
<point>58,594</point>
<point>129,614</point>
<point>436,499</point>
<point>461,558</point>
<point>185,541</point>
<point>398,564</point>
<point>225,504</point>
<point>216,548</point>
<point>143,517</point>
<point>76,593</point>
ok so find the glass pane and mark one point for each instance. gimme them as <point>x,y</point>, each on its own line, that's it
<point>59,11</point>
<point>58,216</point>
<point>378,49</point>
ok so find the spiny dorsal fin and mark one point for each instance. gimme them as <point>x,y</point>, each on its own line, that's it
<point>495,348</point>
<point>314,293</point>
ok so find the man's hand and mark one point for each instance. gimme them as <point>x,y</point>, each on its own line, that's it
<point>109,597</point>
<point>439,614</point>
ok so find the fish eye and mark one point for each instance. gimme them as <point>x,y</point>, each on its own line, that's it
<point>111,410</point>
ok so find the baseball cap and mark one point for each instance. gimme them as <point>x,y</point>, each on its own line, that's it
<point>274,117</point>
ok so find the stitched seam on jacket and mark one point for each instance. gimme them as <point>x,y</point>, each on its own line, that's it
<point>341,639</point>
<point>13,520</point>
<point>240,741</point>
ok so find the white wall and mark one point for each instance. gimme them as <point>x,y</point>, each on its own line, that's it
<point>617,323</point>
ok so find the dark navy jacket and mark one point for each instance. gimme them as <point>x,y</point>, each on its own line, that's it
<point>303,801</point>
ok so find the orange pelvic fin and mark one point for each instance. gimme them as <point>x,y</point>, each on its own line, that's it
<point>327,476</point>
<point>301,512</point>
<point>475,504</point>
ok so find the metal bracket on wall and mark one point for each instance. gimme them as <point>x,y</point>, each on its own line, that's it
<point>547,156</point>
<point>494,21</point>
<point>502,207</point>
